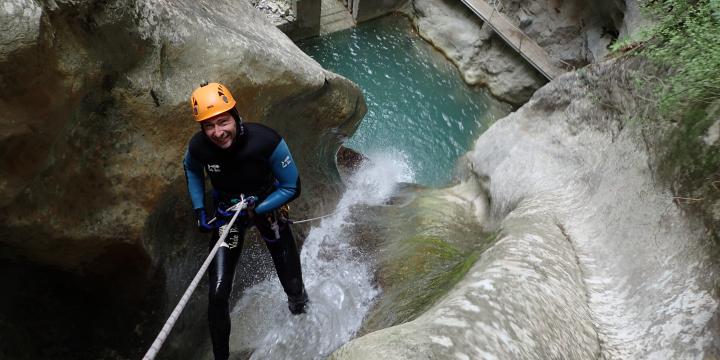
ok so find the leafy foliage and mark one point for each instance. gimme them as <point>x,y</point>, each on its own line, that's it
<point>622,44</point>
<point>687,40</point>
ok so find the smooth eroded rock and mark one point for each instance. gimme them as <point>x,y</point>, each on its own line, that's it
<point>96,119</point>
<point>574,33</point>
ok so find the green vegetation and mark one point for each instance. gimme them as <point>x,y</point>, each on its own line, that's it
<point>692,167</point>
<point>622,44</point>
<point>685,45</point>
<point>690,156</point>
<point>687,41</point>
<point>416,272</point>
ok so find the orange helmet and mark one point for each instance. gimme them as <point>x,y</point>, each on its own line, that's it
<point>209,100</point>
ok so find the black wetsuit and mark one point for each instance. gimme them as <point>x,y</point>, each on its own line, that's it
<point>257,163</point>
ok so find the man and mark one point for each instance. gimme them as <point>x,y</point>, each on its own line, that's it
<point>241,159</point>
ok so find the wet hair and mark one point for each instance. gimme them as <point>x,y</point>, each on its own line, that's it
<point>238,122</point>
<point>236,115</point>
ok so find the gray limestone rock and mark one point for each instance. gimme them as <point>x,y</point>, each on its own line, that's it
<point>713,134</point>
<point>96,116</point>
<point>19,26</point>
<point>634,20</point>
<point>573,33</point>
<point>94,97</point>
<point>482,58</point>
<point>594,258</point>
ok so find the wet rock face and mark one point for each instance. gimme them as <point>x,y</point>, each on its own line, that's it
<point>95,121</point>
<point>95,118</point>
<point>277,12</point>
<point>594,257</point>
<point>574,32</point>
<point>21,26</point>
<point>349,161</point>
<point>481,57</point>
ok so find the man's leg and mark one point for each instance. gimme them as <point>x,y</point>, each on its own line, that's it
<point>222,273</point>
<point>279,239</point>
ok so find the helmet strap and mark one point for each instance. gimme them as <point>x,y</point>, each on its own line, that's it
<point>238,123</point>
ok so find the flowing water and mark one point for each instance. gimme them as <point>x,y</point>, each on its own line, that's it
<point>589,257</point>
<point>421,117</point>
<point>337,277</point>
<point>593,259</point>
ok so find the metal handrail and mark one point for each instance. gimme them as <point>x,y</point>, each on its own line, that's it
<point>523,35</point>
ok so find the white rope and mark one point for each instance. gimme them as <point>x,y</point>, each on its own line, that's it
<point>165,331</point>
<point>313,219</point>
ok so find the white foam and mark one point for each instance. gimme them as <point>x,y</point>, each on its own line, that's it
<point>338,281</point>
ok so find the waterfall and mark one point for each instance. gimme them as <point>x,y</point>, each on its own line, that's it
<point>338,277</point>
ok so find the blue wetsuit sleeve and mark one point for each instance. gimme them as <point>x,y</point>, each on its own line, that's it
<point>286,173</point>
<point>195,176</point>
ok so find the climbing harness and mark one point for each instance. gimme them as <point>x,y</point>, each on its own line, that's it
<point>165,331</point>
<point>275,227</point>
<point>237,208</point>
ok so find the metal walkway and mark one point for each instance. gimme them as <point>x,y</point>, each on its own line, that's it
<point>528,49</point>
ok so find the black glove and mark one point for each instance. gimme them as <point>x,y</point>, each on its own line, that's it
<point>222,209</point>
<point>202,221</point>
<point>251,201</point>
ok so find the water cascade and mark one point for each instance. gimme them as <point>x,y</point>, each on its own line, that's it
<point>470,232</point>
<point>338,277</point>
<point>421,117</point>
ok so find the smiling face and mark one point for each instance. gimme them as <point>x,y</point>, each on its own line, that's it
<point>220,129</point>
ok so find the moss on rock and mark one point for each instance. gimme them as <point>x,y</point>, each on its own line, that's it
<point>416,272</point>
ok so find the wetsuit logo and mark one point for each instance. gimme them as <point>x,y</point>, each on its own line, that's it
<point>286,162</point>
<point>233,238</point>
<point>213,168</point>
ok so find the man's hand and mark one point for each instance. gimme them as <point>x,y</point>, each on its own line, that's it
<point>223,211</point>
<point>250,203</point>
<point>202,221</point>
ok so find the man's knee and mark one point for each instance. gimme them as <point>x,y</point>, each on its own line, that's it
<point>219,294</point>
